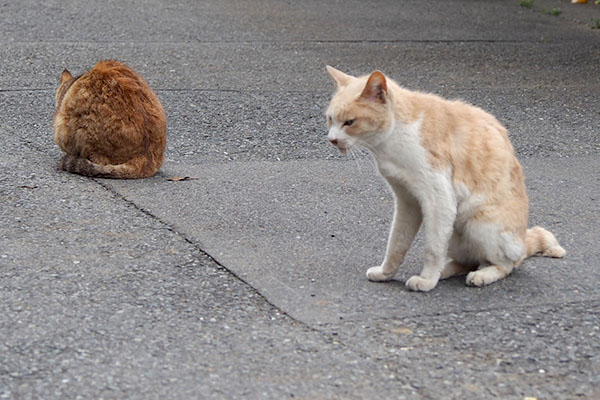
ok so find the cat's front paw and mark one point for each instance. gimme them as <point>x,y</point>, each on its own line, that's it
<point>420,284</point>
<point>377,274</point>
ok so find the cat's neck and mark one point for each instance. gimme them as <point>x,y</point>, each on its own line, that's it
<point>405,124</point>
<point>403,103</point>
<point>399,151</point>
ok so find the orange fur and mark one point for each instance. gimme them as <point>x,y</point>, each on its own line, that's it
<point>540,241</point>
<point>476,147</point>
<point>110,123</point>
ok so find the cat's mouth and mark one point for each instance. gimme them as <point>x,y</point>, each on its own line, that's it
<point>344,148</point>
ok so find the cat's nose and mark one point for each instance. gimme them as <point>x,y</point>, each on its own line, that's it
<point>334,141</point>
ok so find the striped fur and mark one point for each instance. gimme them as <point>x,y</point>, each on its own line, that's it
<point>132,169</point>
<point>110,123</point>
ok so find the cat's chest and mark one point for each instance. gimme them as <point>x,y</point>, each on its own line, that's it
<point>402,154</point>
<point>408,167</point>
<point>393,171</point>
<point>415,177</point>
<point>400,161</point>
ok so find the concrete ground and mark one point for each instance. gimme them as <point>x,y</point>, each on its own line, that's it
<point>248,279</point>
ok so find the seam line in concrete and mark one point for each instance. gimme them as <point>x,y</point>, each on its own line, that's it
<point>199,249</point>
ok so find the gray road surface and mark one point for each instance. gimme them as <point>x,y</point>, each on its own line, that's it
<point>248,280</point>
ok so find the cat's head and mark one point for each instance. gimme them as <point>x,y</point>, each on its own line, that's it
<point>66,80</point>
<point>360,112</point>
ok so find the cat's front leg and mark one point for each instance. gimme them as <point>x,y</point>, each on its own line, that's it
<point>405,225</point>
<point>439,213</point>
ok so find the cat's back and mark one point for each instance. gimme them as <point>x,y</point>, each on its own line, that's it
<point>451,113</point>
<point>113,87</point>
<point>469,141</point>
<point>114,74</point>
<point>452,129</point>
<point>112,98</point>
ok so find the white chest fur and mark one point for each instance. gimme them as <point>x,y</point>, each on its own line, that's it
<point>402,160</point>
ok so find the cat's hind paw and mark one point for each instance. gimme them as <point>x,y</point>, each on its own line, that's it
<point>377,274</point>
<point>478,279</point>
<point>420,284</point>
<point>485,276</point>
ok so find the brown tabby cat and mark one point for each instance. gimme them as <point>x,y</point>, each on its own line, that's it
<point>110,123</point>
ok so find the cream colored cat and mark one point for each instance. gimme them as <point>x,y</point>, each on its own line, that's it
<point>452,169</point>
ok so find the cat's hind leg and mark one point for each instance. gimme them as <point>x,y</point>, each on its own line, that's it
<point>454,268</point>
<point>487,274</point>
<point>461,261</point>
<point>501,251</point>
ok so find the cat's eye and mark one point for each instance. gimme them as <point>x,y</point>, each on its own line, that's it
<point>348,122</point>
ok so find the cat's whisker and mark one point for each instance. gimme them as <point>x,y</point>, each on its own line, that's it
<point>354,157</point>
<point>374,156</point>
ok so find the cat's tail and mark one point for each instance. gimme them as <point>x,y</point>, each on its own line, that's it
<point>133,169</point>
<point>540,241</point>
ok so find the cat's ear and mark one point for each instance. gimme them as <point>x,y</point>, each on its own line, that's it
<point>376,88</point>
<point>65,76</point>
<point>340,78</point>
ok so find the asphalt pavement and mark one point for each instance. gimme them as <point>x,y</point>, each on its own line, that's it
<point>247,278</point>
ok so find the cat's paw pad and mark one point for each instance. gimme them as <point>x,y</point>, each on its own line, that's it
<point>420,284</point>
<point>479,278</point>
<point>376,274</point>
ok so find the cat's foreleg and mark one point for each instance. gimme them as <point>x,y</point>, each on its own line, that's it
<point>405,225</point>
<point>439,213</point>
